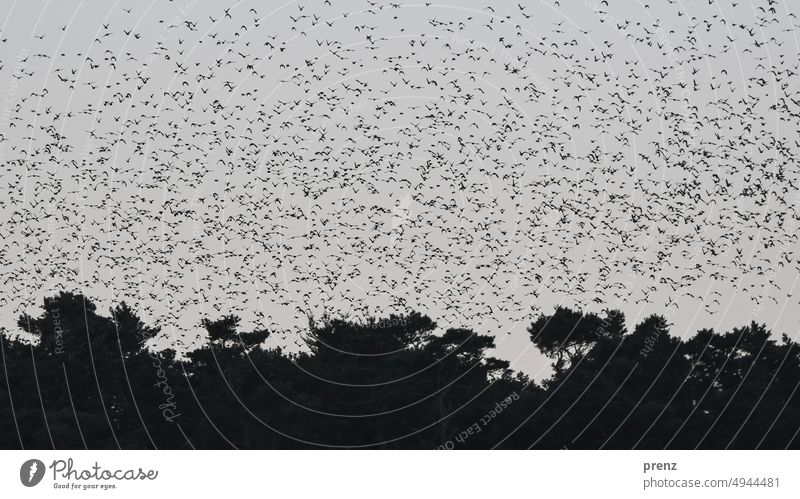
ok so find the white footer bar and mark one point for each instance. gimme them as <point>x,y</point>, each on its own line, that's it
<point>400,474</point>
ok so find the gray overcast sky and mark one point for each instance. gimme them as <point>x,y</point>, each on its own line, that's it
<point>477,162</point>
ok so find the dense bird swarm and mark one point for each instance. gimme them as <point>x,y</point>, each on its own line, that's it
<point>375,157</point>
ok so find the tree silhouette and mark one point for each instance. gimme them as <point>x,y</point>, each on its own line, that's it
<point>74,378</point>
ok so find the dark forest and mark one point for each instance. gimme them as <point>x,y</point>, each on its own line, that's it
<point>93,380</point>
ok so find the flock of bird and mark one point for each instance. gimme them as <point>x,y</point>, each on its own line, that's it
<point>465,160</point>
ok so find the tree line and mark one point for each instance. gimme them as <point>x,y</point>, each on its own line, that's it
<point>89,380</point>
